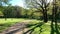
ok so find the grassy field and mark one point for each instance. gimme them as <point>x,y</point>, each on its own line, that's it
<point>35,26</point>
<point>39,27</point>
<point>5,24</point>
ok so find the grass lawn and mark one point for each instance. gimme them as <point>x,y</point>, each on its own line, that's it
<point>39,27</point>
<point>10,21</point>
<point>35,26</point>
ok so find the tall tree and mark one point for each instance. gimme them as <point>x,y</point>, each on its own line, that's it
<point>55,11</point>
<point>54,17</point>
<point>43,4</point>
<point>18,11</point>
<point>2,3</point>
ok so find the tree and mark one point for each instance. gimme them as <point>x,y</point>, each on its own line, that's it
<point>54,17</point>
<point>2,3</point>
<point>41,5</point>
<point>9,12</point>
<point>55,10</point>
<point>18,11</point>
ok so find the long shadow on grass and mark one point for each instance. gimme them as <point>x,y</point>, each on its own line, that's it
<point>55,28</point>
<point>36,25</point>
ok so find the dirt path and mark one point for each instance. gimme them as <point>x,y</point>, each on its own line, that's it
<point>18,28</point>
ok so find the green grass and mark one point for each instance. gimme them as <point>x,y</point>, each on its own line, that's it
<point>36,27</point>
<point>44,29</point>
<point>9,22</point>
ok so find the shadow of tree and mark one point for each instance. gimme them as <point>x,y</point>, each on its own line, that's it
<point>55,28</point>
<point>36,25</point>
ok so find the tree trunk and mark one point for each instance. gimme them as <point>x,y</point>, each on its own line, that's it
<point>45,15</point>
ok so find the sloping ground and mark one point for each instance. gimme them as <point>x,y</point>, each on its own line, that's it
<point>18,28</point>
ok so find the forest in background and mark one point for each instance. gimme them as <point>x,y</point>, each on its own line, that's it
<point>20,12</point>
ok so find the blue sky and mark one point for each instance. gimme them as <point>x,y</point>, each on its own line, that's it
<point>17,2</point>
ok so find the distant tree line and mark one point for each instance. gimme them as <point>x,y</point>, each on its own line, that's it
<point>19,12</point>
